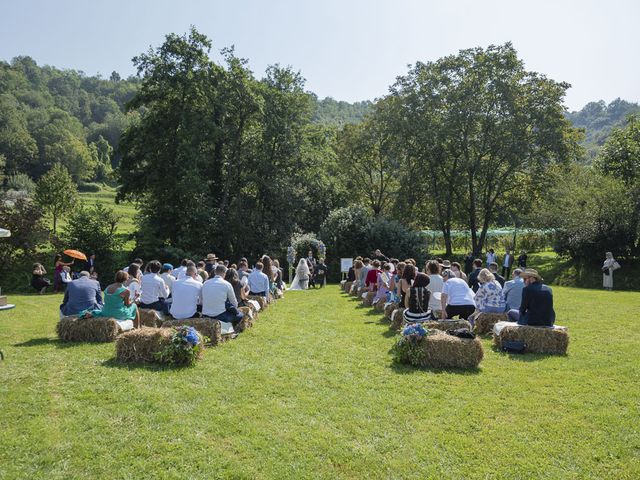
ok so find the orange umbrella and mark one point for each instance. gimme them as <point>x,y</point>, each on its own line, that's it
<point>75,254</point>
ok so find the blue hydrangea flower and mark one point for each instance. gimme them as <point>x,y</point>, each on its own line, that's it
<point>191,336</point>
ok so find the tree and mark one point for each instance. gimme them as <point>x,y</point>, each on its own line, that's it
<point>56,193</point>
<point>23,218</point>
<point>476,121</point>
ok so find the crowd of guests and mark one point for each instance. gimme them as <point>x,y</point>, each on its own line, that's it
<point>210,288</point>
<point>442,289</point>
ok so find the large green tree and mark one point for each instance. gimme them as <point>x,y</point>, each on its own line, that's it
<point>56,193</point>
<point>476,121</point>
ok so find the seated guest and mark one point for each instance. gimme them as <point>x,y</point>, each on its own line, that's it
<point>512,291</point>
<point>154,290</point>
<point>371,282</point>
<point>167,276</point>
<point>536,308</point>
<point>258,281</point>
<point>65,276</point>
<point>455,267</point>
<point>408,275</point>
<point>394,284</point>
<point>417,301</point>
<point>186,295</point>
<point>133,282</point>
<point>489,295</point>
<point>118,304</point>
<point>358,265</point>
<point>435,284</point>
<point>181,271</point>
<point>241,290</point>
<point>137,261</point>
<point>243,270</point>
<point>457,297</point>
<point>278,280</point>
<point>473,276</point>
<point>81,294</point>
<point>493,268</point>
<point>202,272</point>
<point>383,284</point>
<point>38,281</point>
<point>211,262</point>
<point>218,299</point>
<point>351,275</point>
<point>364,271</point>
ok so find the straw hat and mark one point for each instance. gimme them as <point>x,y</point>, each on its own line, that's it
<point>446,264</point>
<point>211,256</point>
<point>530,272</point>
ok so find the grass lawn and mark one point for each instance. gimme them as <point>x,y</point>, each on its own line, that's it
<point>311,392</point>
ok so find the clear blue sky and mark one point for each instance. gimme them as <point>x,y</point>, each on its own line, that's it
<point>350,50</point>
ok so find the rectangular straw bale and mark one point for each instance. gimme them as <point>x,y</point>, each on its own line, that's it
<point>537,339</point>
<point>94,329</point>
<point>260,299</point>
<point>447,324</point>
<point>149,318</point>
<point>142,345</point>
<point>368,299</point>
<point>397,318</point>
<point>483,322</point>
<point>441,350</point>
<point>208,327</point>
<point>388,310</point>
<point>379,306</point>
<point>347,286</point>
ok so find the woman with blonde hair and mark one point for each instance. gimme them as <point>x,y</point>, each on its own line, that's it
<point>489,295</point>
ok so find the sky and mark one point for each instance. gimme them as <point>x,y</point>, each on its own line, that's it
<point>349,50</point>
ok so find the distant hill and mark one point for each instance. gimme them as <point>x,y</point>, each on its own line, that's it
<point>334,112</point>
<point>598,119</point>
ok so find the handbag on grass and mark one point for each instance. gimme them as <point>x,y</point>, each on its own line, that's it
<point>514,346</point>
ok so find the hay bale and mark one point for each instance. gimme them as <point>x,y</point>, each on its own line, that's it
<point>260,299</point>
<point>553,340</point>
<point>483,322</point>
<point>360,291</point>
<point>447,324</point>
<point>142,345</point>
<point>397,318</point>
<point>247,320</point>
<point>149,318</point>
<point>347,286</point>
<point>94,329</point>
<point>388,310</point>
<point>367,300</point>
<point>379,306</point>
<point>441,350</point>
<point>207,327</point>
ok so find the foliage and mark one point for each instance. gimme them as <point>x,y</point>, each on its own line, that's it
<point>408,348</point>
<point>88,187</point>
<point>338,113</point>
<point>56,193</point>
<point>304,242</point>
<point>92,230</point>
<point>21,182</point>
<point>469,125</point>
<point>242,151</point>
<point>185,348</point>
<point>23,218</point>
<point>590,213</point>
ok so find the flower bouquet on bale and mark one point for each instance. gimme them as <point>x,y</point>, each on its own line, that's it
<point>185,347</point>
<point>407,348</point>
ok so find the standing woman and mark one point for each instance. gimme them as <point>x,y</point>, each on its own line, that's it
<point>608,267</point>
<point>57,273</point>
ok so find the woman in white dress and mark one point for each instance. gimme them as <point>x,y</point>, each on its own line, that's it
<point>608,267</point>
<point>301,280</point>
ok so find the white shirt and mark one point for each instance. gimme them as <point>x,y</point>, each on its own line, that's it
<point>180,272</point>
<point>187,295</point>
<point>458,292</point>
<point>134,288</point>
<point>491,257</point>
<point>435,285</point>
<point>153,288</point>
<point>258,282</point>
<point>215,292</point>
<point>168,280</point>
<point>506,260</point>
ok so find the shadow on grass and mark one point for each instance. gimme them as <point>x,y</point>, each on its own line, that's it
<point>38,342</point>
<point>403,369</point>
<point>154,367</point>
<point>527,357</point>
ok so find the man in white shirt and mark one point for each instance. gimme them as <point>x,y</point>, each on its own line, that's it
<point>187,295</point>
<point>258,281</point>
<point>167,276</point>
<point>154,290</point>
<point>507,263</point>
<point>457,298</point>
<point>218,298</point>
<point>181,272</point>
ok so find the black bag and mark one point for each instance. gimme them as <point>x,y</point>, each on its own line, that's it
<point>605,270</point>
<point>461,333</point>
<point>514,346</point>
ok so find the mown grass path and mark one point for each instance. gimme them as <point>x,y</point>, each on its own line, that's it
<point>311,392</point>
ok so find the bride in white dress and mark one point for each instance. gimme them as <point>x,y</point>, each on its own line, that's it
<point>301,280</point>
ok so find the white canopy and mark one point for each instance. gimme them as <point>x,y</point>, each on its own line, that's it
<point>4,233</point>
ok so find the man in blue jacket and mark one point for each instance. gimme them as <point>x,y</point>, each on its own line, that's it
<point>81,294</point>
<point>536,308</point>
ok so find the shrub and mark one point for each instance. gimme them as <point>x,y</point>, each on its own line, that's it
<point>88,187</point>
<point>24,219</point>
<point>21,182</point>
